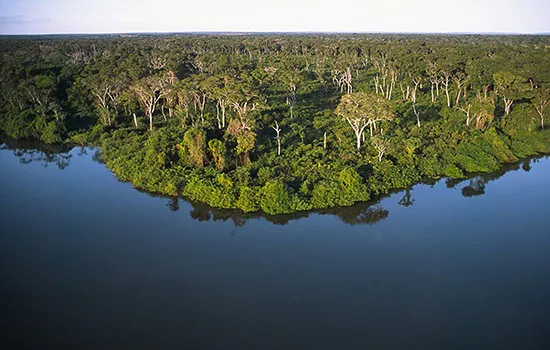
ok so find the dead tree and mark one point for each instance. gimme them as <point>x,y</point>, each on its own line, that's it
<point>445,81</point>
<point>466,110</point>
<point>381,145</point>
<point>278,137</point>
<point>149,91</point>
<point>416,114</point>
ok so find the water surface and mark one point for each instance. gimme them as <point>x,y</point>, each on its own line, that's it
<point>88,262</point>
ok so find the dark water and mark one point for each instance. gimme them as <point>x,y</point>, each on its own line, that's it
<point>88,262</point>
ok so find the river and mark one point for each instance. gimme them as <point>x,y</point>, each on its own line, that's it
<point>88,262</point>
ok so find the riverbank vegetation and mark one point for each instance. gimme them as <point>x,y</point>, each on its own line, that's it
<point>282,123</point>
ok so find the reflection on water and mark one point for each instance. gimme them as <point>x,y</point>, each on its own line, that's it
<point>34,152</point>
<point>477,184</point>
<point>358,214</point>
<point>367,213</point>
<point>407,199</point>
<point>90,263</point>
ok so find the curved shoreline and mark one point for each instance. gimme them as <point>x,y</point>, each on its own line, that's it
<point>373,200</point>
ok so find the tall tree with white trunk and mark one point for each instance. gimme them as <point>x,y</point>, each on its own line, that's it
<point>362,110</point>
<point>510,88</point>
<point>150,91</point>
<point>541,102</point>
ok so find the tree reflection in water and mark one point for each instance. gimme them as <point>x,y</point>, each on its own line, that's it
<point>29,151</point>
<point>359,214</point>
<point>367,213</point>
<point>407,199</point>
<point>476,185</point>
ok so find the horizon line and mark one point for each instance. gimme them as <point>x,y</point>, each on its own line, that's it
<point>237,32</point>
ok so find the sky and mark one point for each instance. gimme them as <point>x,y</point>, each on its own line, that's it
<point>124,16</point>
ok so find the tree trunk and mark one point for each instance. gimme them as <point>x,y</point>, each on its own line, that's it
<point>507,105</point>
<point>218,115</point>
<point>371,129</point>
<point>278,131</point>
<point>467,111</point>
<point>163,114</point>
<point>135,120</point>
<point>417,115</point>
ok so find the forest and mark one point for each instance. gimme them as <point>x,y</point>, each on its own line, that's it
<point>279,123</point>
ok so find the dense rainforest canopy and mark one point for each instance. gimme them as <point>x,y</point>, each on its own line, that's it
<point>282,123</point>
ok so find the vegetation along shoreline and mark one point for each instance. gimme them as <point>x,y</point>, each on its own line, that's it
<point>282,123</point>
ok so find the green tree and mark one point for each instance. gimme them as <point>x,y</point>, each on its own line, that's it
<point>217,149</point>
<point>510,87</point>
<point>541,102</point>
<point>362,109</point>
<point>194,142</point>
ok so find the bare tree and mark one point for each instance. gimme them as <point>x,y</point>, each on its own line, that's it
<point>343,80</point>
<point>466,110</point>
<point>278,137</point>
<point>460,88</point>
<point>445,81</point>
<point>381,145</point>
<point>434,79</point>
<point>361,110</point>
<point>510,87</point>
<point>149,91</point>
<point>541,102</point>
<point>104,97</point>
<point>417,83</point>
<point>416,114</point>
<point>199,100</point>
<point>242,128</point>
<point>156,61</point>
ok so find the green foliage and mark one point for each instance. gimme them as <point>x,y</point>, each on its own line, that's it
<point>248,199</point>
<point>453,171</point>
<point>275,198</point>
<point>511,85</point>
<point>346,189</point>
<point>194,146</point>
<point>325,194</point>
<point>473,159</point>
<point>218,151</point>
<point>389,176</point>
<point>245,144</point>
<point>430,167</point>
<point>193,116</point>
<point>214,193</point>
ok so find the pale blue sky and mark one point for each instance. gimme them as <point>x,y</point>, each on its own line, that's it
<point>116,16</point>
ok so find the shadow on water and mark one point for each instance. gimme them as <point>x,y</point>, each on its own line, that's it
<point>29,151</point>
<point>358,214</point>
<point>32,151</point>
<point>477,183</point>
<point>365,213</point>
